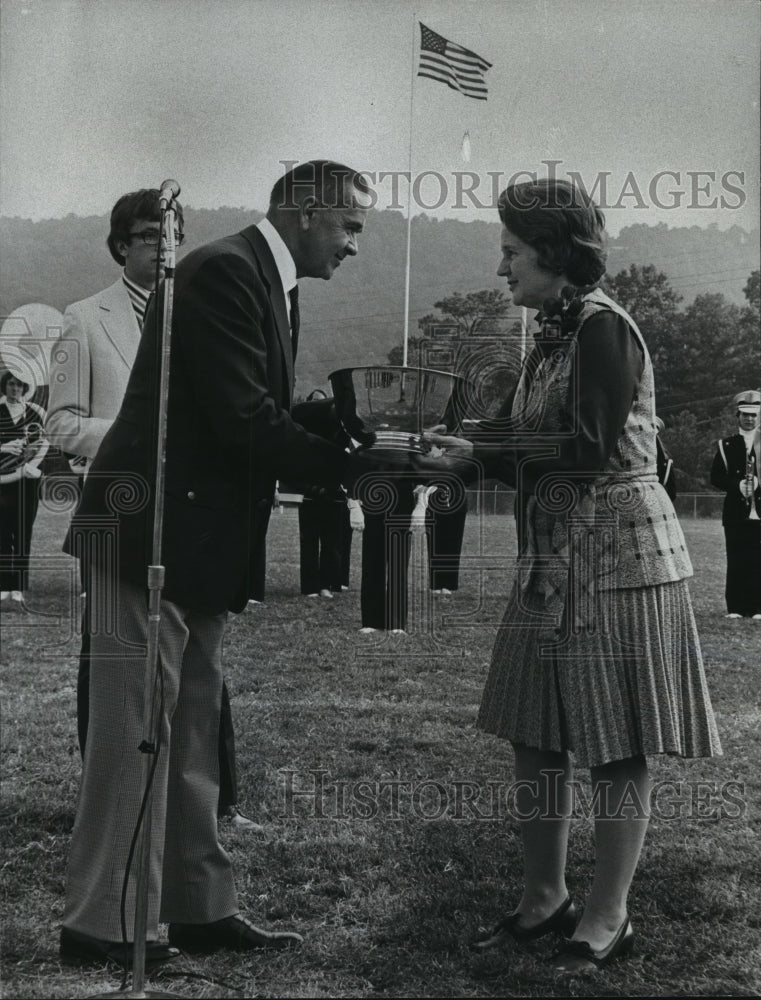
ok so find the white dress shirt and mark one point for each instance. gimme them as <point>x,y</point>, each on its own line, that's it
<point>284,262</point>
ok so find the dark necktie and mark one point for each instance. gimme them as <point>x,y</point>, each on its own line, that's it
<point>293,295</point>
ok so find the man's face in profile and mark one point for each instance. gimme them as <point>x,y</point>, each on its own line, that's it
<point>331,234</point>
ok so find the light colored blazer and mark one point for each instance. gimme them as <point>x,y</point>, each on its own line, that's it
<point>91,364</point>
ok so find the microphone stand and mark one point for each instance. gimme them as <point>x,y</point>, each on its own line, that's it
<point>150,744</point>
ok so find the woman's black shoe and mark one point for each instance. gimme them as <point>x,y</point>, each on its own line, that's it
<point>562,920</point>
<point>578,957</point>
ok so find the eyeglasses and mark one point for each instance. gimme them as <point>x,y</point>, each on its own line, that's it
<point>152,237</point>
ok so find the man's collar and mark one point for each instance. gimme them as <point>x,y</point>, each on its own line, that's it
<point>286,266</point>
<point>138,290</point>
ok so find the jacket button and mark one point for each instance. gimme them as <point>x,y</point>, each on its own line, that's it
<point>191,495</point>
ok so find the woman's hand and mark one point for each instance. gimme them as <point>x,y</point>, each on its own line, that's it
<point>445,454</point>
<point>450,446</point>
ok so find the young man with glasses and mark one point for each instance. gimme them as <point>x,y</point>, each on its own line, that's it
<point>90,368</point>
<point>93,359</point>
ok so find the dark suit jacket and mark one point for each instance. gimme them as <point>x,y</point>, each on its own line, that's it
<point>726,472</point>
<point>318,416</point>
<point>229,433</point>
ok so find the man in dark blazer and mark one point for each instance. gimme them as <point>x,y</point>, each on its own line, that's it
<point>735,471</point>
<point>229,437</point>
<point>89,372</point>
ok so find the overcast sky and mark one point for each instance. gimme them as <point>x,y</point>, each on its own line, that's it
<point>100,97</point>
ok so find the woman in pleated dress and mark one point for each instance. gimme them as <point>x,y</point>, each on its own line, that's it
<point>597,662</point>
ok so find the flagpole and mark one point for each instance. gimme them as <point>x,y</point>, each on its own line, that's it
<point>459,68</point>
<point>409,207</point>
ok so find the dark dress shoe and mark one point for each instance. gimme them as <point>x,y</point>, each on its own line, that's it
<point>578,957</point>
<point>562,920</point>
<point>82,949</point>
<point>235,818</point>
<point>234,933</point>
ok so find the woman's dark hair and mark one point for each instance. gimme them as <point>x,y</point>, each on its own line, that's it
<point>7,376</point>
<point>142,204</point>
<point>562,223</point>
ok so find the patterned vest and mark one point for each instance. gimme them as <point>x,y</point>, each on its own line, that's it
<point>610,530</point>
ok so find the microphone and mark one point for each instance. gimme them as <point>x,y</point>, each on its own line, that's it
<point>167,193</point>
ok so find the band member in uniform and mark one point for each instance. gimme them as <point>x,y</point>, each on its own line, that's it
<point>445,542</point>
<point>323,512</point>
<point>735,472</point>
<point>22,448</point>
<point>664,462</point>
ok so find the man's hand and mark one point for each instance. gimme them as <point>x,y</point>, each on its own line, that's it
<point>363,437</point>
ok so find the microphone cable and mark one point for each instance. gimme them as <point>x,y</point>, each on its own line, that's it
<point>157,746</point>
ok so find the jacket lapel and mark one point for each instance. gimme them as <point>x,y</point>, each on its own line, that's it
<point>117,317</point>
<point>271,277</point>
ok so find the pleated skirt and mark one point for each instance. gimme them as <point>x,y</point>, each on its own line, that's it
<point>630,681</point>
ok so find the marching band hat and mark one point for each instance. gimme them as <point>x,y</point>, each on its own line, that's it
<point>748,401</point>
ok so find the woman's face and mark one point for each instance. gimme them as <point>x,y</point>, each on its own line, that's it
<point>529,283</point>
<point>14,390</point>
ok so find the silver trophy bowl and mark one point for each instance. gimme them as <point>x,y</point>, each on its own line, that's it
<point>386,408</point>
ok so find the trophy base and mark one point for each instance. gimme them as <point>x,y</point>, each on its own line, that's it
<point>395,446</point>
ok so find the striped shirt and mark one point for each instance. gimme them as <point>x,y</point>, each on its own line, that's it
<point>139,297</point>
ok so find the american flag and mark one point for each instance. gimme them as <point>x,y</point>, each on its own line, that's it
<point>457,67</point>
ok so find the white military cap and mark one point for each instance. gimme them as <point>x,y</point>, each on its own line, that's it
<point>748,401</point>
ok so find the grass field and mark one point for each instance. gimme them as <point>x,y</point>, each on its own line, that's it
<point>389,835</point>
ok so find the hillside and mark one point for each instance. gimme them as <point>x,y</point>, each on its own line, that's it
<point>358,316</point>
